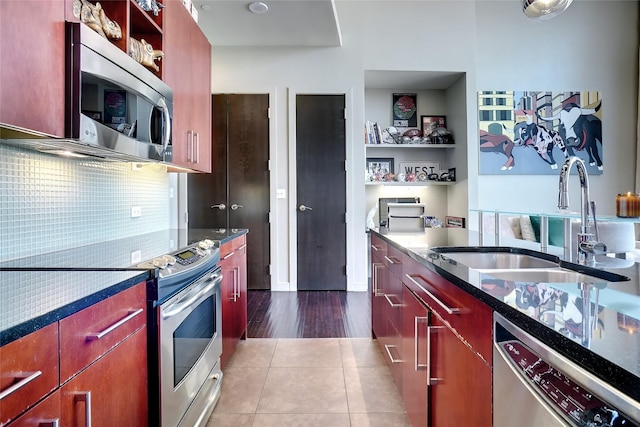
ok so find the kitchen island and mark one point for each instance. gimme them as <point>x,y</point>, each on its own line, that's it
<point>608,349</point>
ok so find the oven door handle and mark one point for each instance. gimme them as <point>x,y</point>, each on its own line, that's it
<point>185,302</point>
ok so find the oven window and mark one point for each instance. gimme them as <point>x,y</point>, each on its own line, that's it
<point>192,337</point>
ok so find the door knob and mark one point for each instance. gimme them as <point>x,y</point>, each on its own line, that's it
<point>235,207</point>
<point>303,208</point>
<point>221,206</point>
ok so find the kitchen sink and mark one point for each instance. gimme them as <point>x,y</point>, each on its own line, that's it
<point>499,260</point>
<point>552,275</point>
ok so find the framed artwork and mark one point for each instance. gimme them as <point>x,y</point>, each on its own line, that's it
<point>454,222</point>
<point>430,123</point>
<point>452,174</point>
<point>532,132</point>
<point>404,110</point>
<point>378,167</point>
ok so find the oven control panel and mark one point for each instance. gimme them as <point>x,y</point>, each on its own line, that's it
<point>183,259</point>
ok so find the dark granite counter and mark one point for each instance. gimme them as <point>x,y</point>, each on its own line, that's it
<point>38,290</point>
<point>604,340</point>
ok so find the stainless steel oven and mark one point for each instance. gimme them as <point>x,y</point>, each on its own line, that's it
<point>185,343</point>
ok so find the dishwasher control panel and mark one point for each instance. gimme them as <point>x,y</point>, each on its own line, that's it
<point>574,402</point>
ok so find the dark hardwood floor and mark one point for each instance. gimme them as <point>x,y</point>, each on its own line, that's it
<point>308,314</point>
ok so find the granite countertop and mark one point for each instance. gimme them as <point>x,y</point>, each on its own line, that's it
<point>605,342</point>
<point>38,290</point>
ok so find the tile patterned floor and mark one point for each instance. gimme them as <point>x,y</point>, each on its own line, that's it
<point>308,382</point>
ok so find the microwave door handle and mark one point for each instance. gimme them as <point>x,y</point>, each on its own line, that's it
<point>167,122</point>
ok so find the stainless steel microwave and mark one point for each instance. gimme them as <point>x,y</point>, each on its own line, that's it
<point>116,108</point>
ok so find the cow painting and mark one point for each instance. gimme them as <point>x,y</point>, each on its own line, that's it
<point>499,144</point>
<point>581,130</point>
<point>543,140</point>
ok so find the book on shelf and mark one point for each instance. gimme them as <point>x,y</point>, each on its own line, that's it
<point>373,133</point>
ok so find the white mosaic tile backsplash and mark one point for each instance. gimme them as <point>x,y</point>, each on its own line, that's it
<point>48,203</point>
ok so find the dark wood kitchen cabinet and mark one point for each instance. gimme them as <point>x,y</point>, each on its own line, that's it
<point>233,261</point>
<point>91,363</point>
<point>32,68</point>
<point>30,365</point>
<point>113,389</point>
<point>451,337</point>
<point>437,340</point>
<point>187,70</point>
<point>103,362</point>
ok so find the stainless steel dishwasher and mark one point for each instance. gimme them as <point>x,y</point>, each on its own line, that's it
<point>535,386</point>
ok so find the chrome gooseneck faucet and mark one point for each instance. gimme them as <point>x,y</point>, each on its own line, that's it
<point>587,242</point>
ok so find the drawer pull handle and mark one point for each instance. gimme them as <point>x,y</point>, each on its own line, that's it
<point>116,325</point>
<point>376,248</point>
<point>393,261</point>
<point>23,382</point>
<point>241,247</point>
<point>391,303</point>
<point>49,423</point>
<point>85,396</point>
<point>449,310</point>
<point>388,348</point>
<point>229,255</point>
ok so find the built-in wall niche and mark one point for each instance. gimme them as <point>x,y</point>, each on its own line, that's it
<point>434,97</point>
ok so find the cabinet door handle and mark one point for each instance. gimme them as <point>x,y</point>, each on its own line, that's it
<point>376,268</point>
<point>229,255</point>
<point>449,310</point>
<point>236,284</point>
<point>388,348</point>
<point>49,423</point>
<point>391,303</point>
<point>430,380</point>
<point>196,147</point>
<point>375,248</point>
<point>85,396</point>
<point>99,335</point>
<point>190,146</point>
<point>393,261</point>
<point>23,382</point>
<point>417,320</point>
<point>242,247</point>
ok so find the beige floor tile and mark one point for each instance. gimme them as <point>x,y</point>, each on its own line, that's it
<point>304,390</point>
<point>360,352</point>
<point>231,420</point>
<point>379,419</point>
<point>371,389</point>
<point>302,420</point>
<point>241,390</point>
<point>253,353</point>
<point>307,352</point>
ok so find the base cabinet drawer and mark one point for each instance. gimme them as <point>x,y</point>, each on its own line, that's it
<point>90,333</point>
<point>28,371</point>
<point>112,391</point>
<point>44,414</point>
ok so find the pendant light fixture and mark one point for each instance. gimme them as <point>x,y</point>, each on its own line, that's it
<point>544,9</point>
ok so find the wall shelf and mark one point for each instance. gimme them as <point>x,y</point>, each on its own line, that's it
<point>405,146</point>
<point>409,184</point>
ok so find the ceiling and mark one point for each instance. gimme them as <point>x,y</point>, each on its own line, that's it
<point>298,23</point>
<point>292,23</point>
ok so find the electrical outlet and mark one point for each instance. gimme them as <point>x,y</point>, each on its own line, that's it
<point>281,193</point>
<point>171,193</point>
<point>136,211</point>
<point>136,257</point>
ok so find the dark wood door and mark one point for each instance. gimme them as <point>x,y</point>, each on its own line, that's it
<point>236,193</point>
<point>321,192</point>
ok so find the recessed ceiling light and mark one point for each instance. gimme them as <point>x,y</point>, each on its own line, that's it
<point>258,7</point>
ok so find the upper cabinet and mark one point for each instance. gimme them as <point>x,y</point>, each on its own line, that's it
<point>32,87</point>
<point>184,43</point>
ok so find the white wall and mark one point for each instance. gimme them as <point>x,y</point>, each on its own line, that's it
<point>498,49</point>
